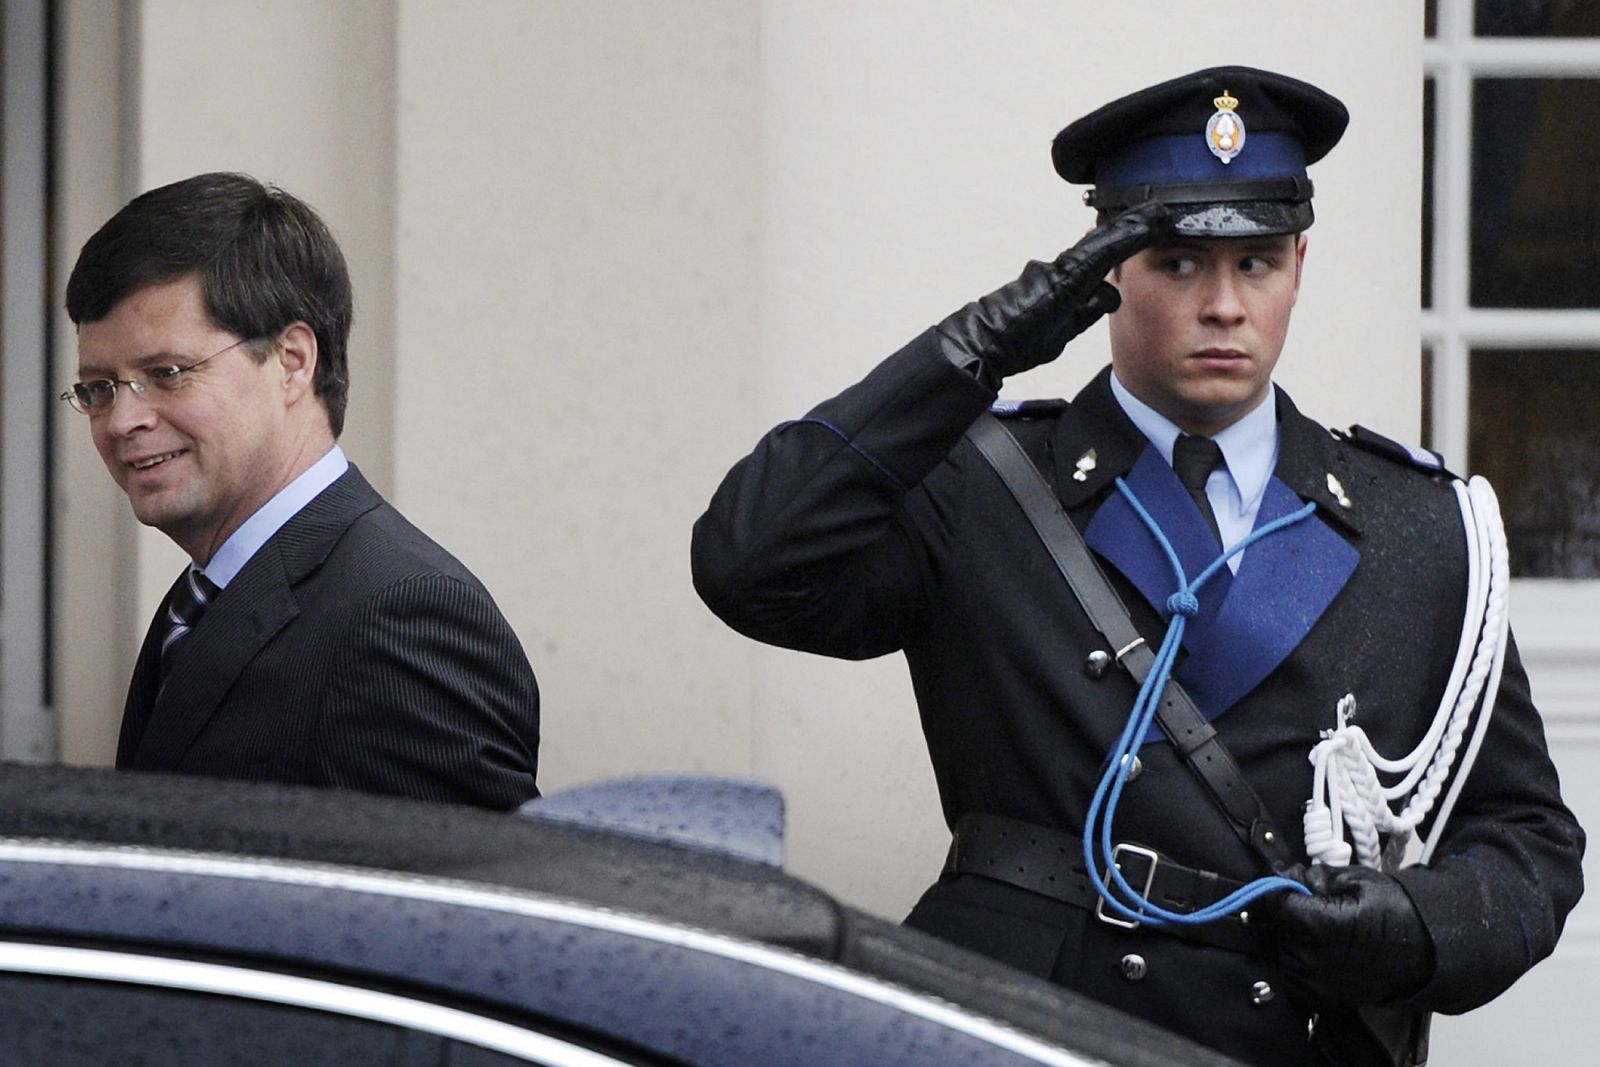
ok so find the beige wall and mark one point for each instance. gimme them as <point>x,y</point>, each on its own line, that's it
<point>599,246</point>
<point>577,335</point>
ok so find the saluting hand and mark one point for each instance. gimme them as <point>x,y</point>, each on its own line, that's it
<point>1356,940</point>
<point>1029,321</point>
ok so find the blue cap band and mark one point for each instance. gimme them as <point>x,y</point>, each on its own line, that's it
<point>1180,158</point>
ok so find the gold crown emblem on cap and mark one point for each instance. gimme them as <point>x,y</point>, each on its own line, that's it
<point>1225,131</point>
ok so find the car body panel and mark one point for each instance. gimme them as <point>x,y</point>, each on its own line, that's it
<point>625,947</point>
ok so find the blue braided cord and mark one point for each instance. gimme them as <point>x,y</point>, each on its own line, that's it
<point>1221,561</point>
<point>1180,606</point>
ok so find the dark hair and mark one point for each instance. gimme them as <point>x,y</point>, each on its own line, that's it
<point>264,259</point>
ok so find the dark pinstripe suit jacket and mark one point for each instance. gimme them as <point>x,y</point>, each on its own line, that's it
<point>351,651</point>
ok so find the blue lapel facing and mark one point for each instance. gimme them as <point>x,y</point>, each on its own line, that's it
<point>1248,623</point>
<point>1120,535</point>
<point>1285,584</point>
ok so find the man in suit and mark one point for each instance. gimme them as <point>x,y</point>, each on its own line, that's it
<point>877,523</point>
<point>318,637</point>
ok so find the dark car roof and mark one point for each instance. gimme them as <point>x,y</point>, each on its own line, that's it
<point>296,829</point>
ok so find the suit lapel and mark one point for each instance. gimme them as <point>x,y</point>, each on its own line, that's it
<point>244,618</point>
<point>141,697</point>
<point>1249,623</point>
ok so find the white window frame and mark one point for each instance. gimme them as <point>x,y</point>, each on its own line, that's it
<point>1546,608</point>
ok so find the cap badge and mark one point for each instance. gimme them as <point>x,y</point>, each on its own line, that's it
<point>1225,131</point>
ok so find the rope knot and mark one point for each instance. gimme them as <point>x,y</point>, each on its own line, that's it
<point>1183,603</point>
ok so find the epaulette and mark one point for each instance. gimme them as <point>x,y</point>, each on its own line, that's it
<point>1027,409</point>
<point>1423,459</point>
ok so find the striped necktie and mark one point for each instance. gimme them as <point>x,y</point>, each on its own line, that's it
<point>188,603</point>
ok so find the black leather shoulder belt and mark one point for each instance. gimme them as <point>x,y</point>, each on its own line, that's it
<point>1194,738</point>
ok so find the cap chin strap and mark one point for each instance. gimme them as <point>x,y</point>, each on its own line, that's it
<point>1293,189</point>
<point>1348,799</point>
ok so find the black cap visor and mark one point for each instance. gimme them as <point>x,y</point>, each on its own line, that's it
<point>1217,209</point>
<point>1240,218</point>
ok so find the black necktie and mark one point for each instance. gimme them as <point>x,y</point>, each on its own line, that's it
<point>1193,460</point>
<point>188,603</point>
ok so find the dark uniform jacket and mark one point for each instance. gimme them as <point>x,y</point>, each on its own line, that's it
<point>350,651</point>
<point>871,526</point>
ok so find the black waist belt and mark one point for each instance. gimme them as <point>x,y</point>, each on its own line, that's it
<point>1050,863</point>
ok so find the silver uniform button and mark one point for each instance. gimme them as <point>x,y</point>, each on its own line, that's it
<point>1135,768</point>
<point>1261,993</point>
<point>1134,967</point>
<point>1098,663</point>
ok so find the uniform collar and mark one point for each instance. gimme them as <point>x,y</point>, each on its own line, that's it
<point>1311,463</point>
<point>1095,443</point>
<point>1097,440</point>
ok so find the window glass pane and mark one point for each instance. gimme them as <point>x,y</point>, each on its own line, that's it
<point>71,1021</point>
<point>1535,198</point>
<point>1427,191</point>
<point>1532,432</point>
<point>49,1020</point>
<point>1533,18</point>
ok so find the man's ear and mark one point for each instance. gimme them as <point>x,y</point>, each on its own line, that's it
<point>297,360</point>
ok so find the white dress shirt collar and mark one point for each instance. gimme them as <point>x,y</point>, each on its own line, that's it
<point>1249,455</point>
<point>270,517</point>
<point>1249,446</point>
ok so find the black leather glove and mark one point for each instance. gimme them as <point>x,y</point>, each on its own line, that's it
<point>1028,322</point>
<point>1356,940</point>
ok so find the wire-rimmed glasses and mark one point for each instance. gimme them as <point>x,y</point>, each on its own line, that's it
<point>98,395</point>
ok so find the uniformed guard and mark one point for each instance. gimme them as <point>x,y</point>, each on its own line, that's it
<point>1226,720</point>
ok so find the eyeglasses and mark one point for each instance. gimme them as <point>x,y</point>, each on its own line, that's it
<point>98,395</point>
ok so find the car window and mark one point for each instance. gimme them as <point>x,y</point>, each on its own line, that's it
<point>51,1021</point>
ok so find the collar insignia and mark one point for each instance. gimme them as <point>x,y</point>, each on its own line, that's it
<point>1338,491</point>
<point>1086,463</point>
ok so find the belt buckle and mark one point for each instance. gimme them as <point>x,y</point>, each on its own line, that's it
<point>1148,854</point>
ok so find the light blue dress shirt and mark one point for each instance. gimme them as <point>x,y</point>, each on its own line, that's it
<point>1249,454</point>
<point>270,517</point>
